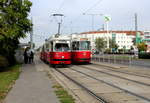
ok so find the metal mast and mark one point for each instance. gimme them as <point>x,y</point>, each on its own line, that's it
<point>136,25</point>
<point>137,39</point>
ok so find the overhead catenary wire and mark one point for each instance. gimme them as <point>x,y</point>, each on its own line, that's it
<point>61,5</point>
<point>59,8</point>
<point>85,11</point>
<point>95,4</point>
<point>82,12</point>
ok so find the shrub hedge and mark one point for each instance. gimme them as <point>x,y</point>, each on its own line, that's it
<point>144,55</point>
<point>3,62</point>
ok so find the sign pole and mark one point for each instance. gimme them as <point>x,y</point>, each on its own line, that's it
<point>107,34</point>
<point>107,18</point>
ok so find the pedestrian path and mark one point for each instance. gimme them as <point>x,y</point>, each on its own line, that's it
<point>33,86</point>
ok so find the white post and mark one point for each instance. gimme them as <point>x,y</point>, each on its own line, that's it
<point>107,19</point>
<point>107,34</point>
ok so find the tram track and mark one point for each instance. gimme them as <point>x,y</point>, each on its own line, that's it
<point>78,81</point>
<point>115,86</point>
<point>110,69</point>
<point>138,82</point>
<point>100,99</point>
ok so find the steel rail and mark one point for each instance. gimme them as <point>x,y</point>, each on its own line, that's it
<point>127,91</point>
<point>145,84</point>
<point>77,83</point>
<point>122,71</point>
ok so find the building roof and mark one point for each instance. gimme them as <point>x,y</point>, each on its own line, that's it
<point>127,32</point>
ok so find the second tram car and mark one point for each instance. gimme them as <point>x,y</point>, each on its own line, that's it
<point>81,52</point>
<point>56,50</point>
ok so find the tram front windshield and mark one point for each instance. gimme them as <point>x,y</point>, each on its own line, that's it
<point>84,45</point>
<point>61,47</point>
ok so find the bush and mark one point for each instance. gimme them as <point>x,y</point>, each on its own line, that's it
<point>144,55</point>
<point>107,51</point>
<point>121,51</point>
<point>3,62</point>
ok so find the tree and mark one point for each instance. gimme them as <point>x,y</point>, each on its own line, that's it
<point>14,25</point>
<point>142,46</point>
<point>134,41</point>
<point>113,44</point>
<point>100,44</point>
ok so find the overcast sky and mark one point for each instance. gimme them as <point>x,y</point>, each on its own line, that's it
<point>121,11</point>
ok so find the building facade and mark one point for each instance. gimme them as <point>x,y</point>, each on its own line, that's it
<point>124,39</point>
<point>147,39</point>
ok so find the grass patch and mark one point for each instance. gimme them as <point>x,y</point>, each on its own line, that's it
<point>7,79</point>
<point>63,95</point>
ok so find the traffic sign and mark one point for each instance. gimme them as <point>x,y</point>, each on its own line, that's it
<point>107,18</point>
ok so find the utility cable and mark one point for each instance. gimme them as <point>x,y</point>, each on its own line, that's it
<point>93,5</point>
<point>61,5</point>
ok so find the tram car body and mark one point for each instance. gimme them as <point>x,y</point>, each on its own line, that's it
<point>81,52</point>
<point>56,50</point>
<point>42,53</point>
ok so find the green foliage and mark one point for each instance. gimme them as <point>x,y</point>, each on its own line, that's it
<point>14,24</point>
<point>13,20</point>
<point>3,62</point>
<point>121,51</point>
<point>144,55</point>
<point>134,41</point>
<point>100,44</point>
<point>112,44</point>
<point>142,46</point>
<point>108,50</point>
<point>63,95</point>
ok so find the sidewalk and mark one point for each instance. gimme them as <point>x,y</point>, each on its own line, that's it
<point>33,86</point>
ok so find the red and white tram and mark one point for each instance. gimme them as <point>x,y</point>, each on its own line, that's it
<point>56,50</point>
<point>81,52</point>
<point>42,53</point>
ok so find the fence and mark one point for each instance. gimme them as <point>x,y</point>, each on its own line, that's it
<point>116,59</point>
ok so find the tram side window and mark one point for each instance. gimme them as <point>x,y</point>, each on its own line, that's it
<point>75,45</point>
<point>42,48</point>
<point>51,46</point>
<point>84,45</point>
<point>47,47</point>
